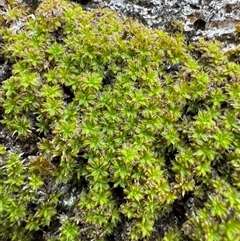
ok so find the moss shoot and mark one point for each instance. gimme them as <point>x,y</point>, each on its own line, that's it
<point>135,119</point>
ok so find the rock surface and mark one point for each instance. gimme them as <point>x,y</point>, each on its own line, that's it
<point>210,19</point>
<point>213,19</point>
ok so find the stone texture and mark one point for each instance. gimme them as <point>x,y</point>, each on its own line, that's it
<point>5,71</point>
<point>213,19</point>
<point>210,19</point>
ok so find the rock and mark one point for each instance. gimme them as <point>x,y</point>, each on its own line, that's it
<point>5,72</point>
<point>214,19</point>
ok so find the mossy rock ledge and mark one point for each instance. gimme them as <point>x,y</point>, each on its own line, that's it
<point>138,132</point>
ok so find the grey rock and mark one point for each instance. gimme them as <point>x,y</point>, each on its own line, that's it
<point>214,19</point>
<point>5,72</point>
<point>210,19</point>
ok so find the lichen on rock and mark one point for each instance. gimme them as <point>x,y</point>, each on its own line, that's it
<point>217,19</point>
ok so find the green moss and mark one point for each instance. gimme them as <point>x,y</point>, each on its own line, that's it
<point>125,108</point>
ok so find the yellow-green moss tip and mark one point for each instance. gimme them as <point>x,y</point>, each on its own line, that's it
<point>132,120</point>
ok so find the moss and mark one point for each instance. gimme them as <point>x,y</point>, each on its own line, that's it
<point>122,107</point>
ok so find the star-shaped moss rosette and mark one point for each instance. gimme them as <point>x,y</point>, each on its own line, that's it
<point>140,117</point>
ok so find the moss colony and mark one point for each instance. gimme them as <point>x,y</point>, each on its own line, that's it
<point>133,118</point>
